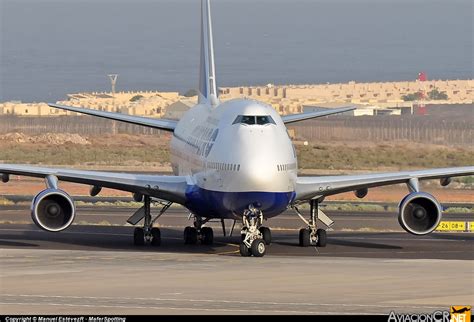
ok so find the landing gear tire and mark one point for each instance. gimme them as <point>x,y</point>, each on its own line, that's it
<point>190,235</point>
<point>155,237</point>
<point>244,250</point>
<point>258,248</point>
<point>267,235</point>
<point>138,237</point>
<point>207,236</point>
<point>322,239</point>
<point>305,238</point>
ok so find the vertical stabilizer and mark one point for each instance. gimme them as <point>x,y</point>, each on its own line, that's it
<point>207,72</point>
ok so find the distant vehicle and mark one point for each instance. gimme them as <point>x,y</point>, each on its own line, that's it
<point>231,160</point>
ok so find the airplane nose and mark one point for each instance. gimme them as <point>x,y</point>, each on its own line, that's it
<point>258,171</point>
<point>258,150</point>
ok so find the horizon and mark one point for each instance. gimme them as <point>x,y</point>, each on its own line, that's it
<point>48,51</point>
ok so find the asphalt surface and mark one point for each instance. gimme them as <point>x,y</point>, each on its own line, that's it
<point>285,243</point>
<point>370,235</point>
<point>96,269</point>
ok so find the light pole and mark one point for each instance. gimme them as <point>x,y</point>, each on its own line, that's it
<point>113,81</point>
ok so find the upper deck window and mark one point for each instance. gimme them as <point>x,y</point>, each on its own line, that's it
<point>254,119</point>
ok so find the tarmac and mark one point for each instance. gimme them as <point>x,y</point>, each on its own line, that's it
<point>363,270</point>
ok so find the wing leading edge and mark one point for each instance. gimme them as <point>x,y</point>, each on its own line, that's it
<point>311,187</point>
<point>171,188</point>
<point>162,124</point>
<point>311,115</point>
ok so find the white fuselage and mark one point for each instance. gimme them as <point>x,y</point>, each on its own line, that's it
<point>231,162</point>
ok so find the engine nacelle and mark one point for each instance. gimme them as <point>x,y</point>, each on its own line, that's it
<point>419,213</point>
<point>53,210</point>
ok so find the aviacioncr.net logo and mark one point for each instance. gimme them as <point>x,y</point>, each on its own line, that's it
<point>436,316</point>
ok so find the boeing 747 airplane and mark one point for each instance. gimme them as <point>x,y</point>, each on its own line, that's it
<point>231,160</point>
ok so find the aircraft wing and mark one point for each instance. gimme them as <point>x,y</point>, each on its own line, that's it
<point>162,124</point>
<point>171,188</point>
<point>311,115</point>
<point>311,187</point>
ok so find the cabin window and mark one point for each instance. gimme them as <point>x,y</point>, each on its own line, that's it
<point>214,135</point>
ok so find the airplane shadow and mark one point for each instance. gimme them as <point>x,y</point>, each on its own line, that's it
<point>350,243</point>
<point>16,244</point>
<point>454,236</point>
<point>347,243</point>
<point>120,238</point>
<point>103,238</point>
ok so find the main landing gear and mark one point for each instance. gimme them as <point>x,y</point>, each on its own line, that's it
<point>148,234</point>
<point>312,235</point>
<point>254,237</point>
<point>204,234</point>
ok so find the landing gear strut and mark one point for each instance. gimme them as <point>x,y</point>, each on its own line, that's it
<point>255,237</point>
<point>147,234</point>
<point>193,234</point>
<point>312,235</point>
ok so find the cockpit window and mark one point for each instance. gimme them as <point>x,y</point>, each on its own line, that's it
<point>261,120</point>
<point>247,119</point>
<point>252,119</point>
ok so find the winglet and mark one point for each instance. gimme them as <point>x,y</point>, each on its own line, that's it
<point>207,71</point>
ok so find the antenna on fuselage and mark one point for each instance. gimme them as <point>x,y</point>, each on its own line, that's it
<point>207,71</point>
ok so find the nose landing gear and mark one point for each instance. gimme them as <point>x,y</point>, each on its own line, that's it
<point>255,237</point>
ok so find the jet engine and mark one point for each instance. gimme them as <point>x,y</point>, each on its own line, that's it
<point>419,213</point>
<point>53,210</point>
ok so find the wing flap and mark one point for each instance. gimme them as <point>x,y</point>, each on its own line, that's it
<point>171,188</point>
<point>310,187</point>
<point>162,124</point>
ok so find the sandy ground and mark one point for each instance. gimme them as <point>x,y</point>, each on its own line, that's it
<point>30,186</point>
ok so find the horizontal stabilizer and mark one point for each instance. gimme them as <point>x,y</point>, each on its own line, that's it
<point>162,124</point>
<point>311,115</point>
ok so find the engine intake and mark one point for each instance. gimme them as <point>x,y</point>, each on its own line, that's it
<point>419,213</point>
<point>53,210</point>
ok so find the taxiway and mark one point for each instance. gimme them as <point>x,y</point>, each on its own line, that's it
<point>96,269</point>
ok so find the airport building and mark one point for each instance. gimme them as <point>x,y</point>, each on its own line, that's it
<point>381,95</point>
<point>370,99</point>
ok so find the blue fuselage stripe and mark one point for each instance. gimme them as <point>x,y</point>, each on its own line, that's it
<point>218,204</point>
